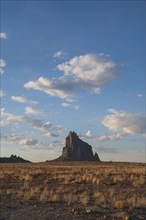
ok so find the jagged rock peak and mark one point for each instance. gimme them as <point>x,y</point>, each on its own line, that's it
<point>77,150</point>
<point>72,137</point>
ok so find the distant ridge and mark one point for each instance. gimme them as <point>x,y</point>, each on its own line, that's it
<point>77,150</point>
<point>13,159</point>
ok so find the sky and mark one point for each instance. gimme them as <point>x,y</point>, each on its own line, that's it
<point>73,66</point>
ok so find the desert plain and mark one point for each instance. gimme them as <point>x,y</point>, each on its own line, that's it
<point>72,191</point>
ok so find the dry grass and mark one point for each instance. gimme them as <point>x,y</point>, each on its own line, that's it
<point>115,187</point>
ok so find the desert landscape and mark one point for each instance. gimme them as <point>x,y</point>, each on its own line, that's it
<point>72,190</point>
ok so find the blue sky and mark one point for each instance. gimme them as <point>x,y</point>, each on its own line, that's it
<point>73,65</point>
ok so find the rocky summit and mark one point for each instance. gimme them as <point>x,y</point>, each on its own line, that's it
<point>77,150</point>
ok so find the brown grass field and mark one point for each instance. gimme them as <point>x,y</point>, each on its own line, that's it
<point>72,191</point>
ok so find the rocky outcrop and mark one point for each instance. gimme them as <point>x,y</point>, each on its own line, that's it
<point>77,150</point>
<point>13,159</point>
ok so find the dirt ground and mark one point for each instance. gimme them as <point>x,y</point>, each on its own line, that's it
<point>72,191</point>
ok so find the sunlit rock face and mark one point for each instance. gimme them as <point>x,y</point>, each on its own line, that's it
<point>77,150</point>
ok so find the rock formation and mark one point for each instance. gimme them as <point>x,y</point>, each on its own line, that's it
<point>13,159</point>
<point>77,150</point>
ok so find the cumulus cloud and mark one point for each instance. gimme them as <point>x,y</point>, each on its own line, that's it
<point>111,137</point>
<point>3,35</point>
<point>90,71</point>
<point>87,72</point>
<point>129,123</point>
<point>2,65</point>
<point>59,54</point>
<point>60,87</point>
<point>32,111</point>
<point>2,93</point>
<point>23,100</point>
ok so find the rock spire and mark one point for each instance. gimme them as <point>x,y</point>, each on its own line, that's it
<point>77,150</point>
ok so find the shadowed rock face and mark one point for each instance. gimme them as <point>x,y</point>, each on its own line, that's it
<point>77,150</point>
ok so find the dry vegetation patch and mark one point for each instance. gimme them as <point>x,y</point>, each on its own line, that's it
<point>82,190</point>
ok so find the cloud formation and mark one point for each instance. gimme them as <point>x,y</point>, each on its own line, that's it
<point>60,87</point>
<point>87,72</point>
<point>23,100</point>
<point>87,135</point>
<point>29,141</point>
<point>32,111</point>
<point>129,123</point>
<point>90,72</point>
<point>38,124</point>
<point>22,140</point>
<point>111,137</point>
<point>3,35</point>
<point>2,65</point>
<point>2,93</point>
<point>69,105</point>
<point>59,54</point>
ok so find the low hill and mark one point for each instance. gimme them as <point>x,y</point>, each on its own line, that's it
<point>13,159</point>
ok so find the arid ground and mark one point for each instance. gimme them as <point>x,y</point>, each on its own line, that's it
<point>72,191</point>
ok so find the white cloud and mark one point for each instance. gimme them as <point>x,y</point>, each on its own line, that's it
<point>130,123</point>
<point>2,65</point>
<point>19,139</point>
<point>59,129</point>
<point>4,123</point>
<point>111,137</point>
<point>2,110</point>
<point>2,93</point>
<point>23,100</point>
<point>31,111</point>
<point>51,134</point>
<point>3,35</point>
<point>59,87</point>
<point>29,141</point>
<point>87,72</point>
<point>89,134</point>
<point>69,105</point>
<point>12,137</point>
<point>59,54</point>
<point>34,123</point>
<point>90,71</point>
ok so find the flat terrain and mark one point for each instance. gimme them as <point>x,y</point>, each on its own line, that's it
<point>72,191</point>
